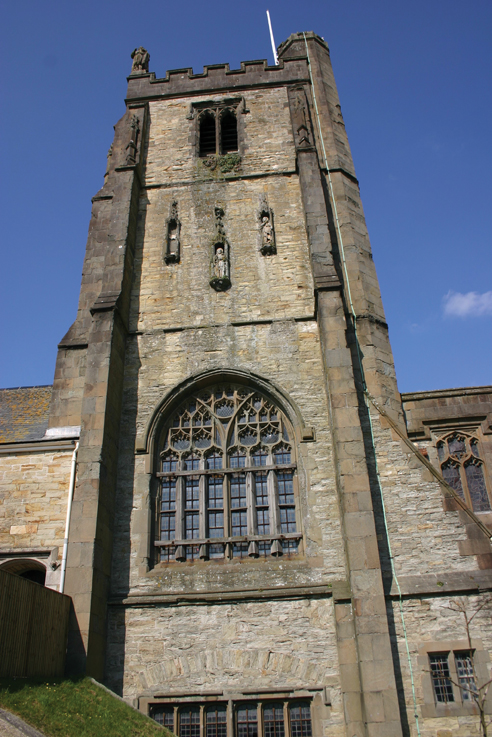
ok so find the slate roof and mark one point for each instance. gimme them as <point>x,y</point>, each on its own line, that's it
<point>24,413</point>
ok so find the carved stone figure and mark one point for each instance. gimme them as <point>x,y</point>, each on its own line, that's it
<point>300,119</point>
<point>220,264</point>
<point>173,229</point>
<point>141,58</point>
<point>131,149</point>
<point>219,267</point>
<point>267,233</point>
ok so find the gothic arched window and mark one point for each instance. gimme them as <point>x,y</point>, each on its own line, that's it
<point>463,469</point>
<point>227,478</point>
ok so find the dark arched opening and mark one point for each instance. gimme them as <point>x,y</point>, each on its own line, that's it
<point>31,570</point>
<point>207,134</point>
<point>228,132</point>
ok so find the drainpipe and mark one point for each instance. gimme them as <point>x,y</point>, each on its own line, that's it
<point>67,523</point>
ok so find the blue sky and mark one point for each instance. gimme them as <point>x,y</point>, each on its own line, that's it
<point>415,83</point>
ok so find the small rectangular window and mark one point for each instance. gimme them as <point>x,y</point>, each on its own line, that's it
<point>443,688</point>
<point>216,721</point>
<point>300,720</point>
<point>247,721</point>
<point>189,722</point>
<point>164,717</point>
<point>466,675</point>
<point>273,721</point>
<point>278,718</point>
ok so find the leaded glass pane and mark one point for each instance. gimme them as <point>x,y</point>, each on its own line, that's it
<point>192,492</point>
<point>261,489</point>
<point>215,492</point>
<point>476,487</point>
<point>285,487</point>
<point>474,447</point>
<point>263,521</point>
<point>443,688</point>
<point>189,722</point>
<point>466,675</point>
<point>216,721</point>
<point>282,456</point>
<point>168,496</point>
<point>247,721</point>
<point>260,458</point>
<point>214,461</point>
<point>287,519</point>
<point>457,446</point>
<point>300,721</point>
<point>216,524</point>
<point>451,474</point>
<point>170,463</point>
<point>238,490</point>
<point>273,720</point>
<point>192,526</point>
<point>164,716</point>
<point>237,460</point>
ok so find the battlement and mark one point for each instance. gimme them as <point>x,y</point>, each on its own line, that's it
<point>217,78</point>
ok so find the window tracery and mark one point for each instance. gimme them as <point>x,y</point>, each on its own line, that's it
<point>463,468</point>
<point>227,479</point>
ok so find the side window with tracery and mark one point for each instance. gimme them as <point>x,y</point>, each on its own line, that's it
<point>227,479</point>
<point>463,468</point>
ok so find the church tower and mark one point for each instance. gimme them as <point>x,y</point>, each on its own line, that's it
<point>241,466</point>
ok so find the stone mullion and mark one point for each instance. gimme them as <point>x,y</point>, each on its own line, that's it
<point>180,553</point>
<point>251,512</point>
<point>227,514</point>
<point>273,508</point>
<point>203,512</point>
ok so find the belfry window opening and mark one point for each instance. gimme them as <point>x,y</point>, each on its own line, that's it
<point>227,479</point>
<point>217,132</point>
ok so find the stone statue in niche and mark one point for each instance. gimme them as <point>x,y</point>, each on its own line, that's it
<point>220,263</point>
<point>141,58</point>
<point>267,233</point>
<point>131,149</point>
<point>173,229</point>
<point>219,267</point>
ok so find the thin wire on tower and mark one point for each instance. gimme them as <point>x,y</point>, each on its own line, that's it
<point>274,48</point>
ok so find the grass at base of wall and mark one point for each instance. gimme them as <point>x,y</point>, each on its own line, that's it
<point>74,708</point>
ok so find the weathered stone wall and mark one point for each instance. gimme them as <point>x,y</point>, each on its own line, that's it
<point>279,645</point>
<point>263,287</point>
<point>287,353</point>
<point>265,142</point>
<point>33,501</point>
<point>33,498</point>
<point>424,537</point>
<point>434,625</point>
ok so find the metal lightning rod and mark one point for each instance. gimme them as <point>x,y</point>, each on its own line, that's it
<point>274,49</point>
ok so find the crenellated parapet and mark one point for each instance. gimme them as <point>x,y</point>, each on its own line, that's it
<point>217,78</point>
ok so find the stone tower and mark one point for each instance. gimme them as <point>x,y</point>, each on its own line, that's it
<point>229,556</point>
